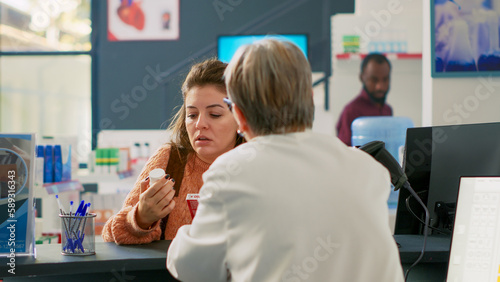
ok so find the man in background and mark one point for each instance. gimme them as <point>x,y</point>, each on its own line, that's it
<point>375,76</point>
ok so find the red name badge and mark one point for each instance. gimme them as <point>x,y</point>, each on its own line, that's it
<point>192,200</point>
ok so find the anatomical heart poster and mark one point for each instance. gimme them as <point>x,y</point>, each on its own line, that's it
<point>130,20</point>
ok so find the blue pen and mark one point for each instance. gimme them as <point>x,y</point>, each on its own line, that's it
<point>78,241</point>
<point>83,213</point>
<point>60,205</point>
<point>79,238</point>
<point>80,207</point>
<point>84,209</point>
<point>70,207</point>
<point>77,213</point>
<point>80,235</point>
<point>73,244</point>
<point>72,225</point>
<point>68,242</point>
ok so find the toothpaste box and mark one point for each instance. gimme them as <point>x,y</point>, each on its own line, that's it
<point>192,201</point>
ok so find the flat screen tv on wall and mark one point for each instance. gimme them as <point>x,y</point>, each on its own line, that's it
<point>228,44</point>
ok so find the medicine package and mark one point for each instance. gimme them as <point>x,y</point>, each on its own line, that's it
<point>17,155</point>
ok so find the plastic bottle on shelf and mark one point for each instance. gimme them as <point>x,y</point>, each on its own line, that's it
<point>135,155</point>
<point>135,151</point>
<point>48,176</point>
<point>58,164</point>
<point>39,169</point>
<point>145,151</point>
<point>114,157</point>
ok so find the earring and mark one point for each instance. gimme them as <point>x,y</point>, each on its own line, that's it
<point>240,133</point>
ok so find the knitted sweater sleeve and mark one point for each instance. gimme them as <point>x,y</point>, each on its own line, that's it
<point>122,228</point>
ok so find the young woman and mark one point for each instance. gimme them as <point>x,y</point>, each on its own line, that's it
<point>203,129</point>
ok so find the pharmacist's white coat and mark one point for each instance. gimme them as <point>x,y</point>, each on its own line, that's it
<point>295,207</point>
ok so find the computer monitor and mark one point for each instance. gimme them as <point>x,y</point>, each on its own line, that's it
<point>475,252</point>
<point>228,44</point>
<point>435,158</point>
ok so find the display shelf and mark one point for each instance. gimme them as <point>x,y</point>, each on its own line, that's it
<point>390,56</point>
<point>85,177</point>
<point>58,187</point>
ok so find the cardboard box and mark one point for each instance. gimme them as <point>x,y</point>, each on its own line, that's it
<point>17,216</point>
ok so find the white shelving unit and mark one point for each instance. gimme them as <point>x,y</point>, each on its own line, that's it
<point>375,22</point>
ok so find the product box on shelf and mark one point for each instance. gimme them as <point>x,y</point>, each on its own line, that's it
<point>17,160</point>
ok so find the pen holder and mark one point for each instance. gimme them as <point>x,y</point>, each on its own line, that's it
<point>78,234</point>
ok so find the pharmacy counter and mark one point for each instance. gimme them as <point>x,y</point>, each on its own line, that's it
<point>110,263</point>
<point>147,262</point>
<point>434,263</point>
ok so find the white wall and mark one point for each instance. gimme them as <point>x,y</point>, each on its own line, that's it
<point>428,101</point>
<point>368,6</point>
<point>465,100</point>
<point>426,65</point>
<point>323,119</point>
<point>378,21</point>
<point>404,96</point>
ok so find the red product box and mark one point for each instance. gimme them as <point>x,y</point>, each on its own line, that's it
<point>192,200</point>
<point>52,234</point>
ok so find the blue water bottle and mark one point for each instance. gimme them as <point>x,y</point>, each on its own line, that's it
<point>58,167</point>
<point>48,165</point>
<point>390,130</point>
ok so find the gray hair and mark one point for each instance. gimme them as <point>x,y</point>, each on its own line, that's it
<point>271,82</point>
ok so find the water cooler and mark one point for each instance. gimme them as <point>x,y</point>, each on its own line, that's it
<point>391,130</point>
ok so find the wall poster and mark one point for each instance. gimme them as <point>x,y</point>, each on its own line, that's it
<point>131,20</point>
<point>465,38</point>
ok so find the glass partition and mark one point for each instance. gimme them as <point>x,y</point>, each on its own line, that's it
<point>49,95</point>
<point>45,25</point>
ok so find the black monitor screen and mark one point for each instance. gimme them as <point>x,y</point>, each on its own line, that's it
<point>435,159</point>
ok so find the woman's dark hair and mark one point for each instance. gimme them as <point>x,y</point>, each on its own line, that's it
<point>209,72</point>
